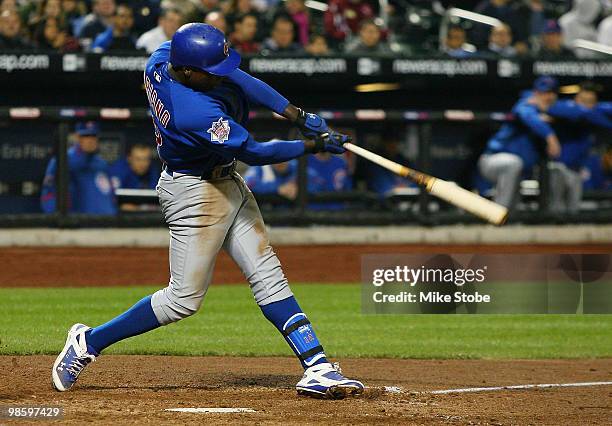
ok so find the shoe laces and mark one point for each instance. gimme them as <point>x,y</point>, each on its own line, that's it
<point>336,366</point>
<point>78,363</point>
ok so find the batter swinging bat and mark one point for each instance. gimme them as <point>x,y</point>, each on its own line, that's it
<point>448,191</point>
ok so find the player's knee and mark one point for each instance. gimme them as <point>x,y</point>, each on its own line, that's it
<point>169,307</point>
<point>269,284</point>
<point>514,165</point>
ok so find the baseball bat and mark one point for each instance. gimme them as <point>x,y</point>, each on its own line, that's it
<point>447,191</point>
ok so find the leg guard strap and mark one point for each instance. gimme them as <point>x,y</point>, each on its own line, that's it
<point>298,331</point>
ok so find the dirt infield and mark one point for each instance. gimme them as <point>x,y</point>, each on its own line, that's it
<point>41,267</point>
<point>137,389</point>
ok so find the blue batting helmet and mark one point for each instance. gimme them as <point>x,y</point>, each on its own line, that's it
<point>203,47</point>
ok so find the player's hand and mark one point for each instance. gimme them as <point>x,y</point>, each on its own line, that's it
<point>331,141</point>
<point>553,147</point>
<point>311,125</point>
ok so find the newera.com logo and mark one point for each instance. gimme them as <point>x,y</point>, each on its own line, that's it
<point>428,275</point>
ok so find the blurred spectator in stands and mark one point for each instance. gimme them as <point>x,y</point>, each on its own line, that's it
<point>506,12</point>
<point>297,11</point>
<point>455,44</point>
<point>574,122</point>
<point>50,35</point>
<point>204,7</point>
<point>532,19</point>
<point>379,179</point>
<point>513,151</point>
<point>11,37</point>
<point>604,31</point>
<point>235,8</point>
<point>282,38</point>
<point>8,5</point>
<point>136,171</point>
<point>278,179</point>
<point>551,43</point>
<point>318,46</point>
<point>243,37</point>
<point>96,22</point>
<point>343,17</point>
<point>74,14</point>
<point>597,173</point>
<point>90,189</point>
<point>500,42</point>
<point>48,9</point>
<point>327,173</point>
<point>146,14</point>
<point>170,20</point>
<point>578,24</point>
<point>369,41</point>
<point>216,18</point>
<point>119,36</point>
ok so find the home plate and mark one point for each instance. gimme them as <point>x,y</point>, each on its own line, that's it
<point>211,410</point>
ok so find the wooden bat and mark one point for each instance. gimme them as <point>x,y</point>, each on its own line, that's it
<point>447,191</point>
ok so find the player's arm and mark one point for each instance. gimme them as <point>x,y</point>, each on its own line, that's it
<point>604,108</point>
<point>261,93</point>
<point>278,151</point>
<point>530,116</point>
<point>573,112</point>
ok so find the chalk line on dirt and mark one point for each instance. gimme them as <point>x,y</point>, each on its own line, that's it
<point>395,389</point>
<point>210,410</point>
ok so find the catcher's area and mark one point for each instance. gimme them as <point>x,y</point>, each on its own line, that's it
<point>138,389</point>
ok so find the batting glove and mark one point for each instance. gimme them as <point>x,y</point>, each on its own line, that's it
<point>330,142</point>
<point>311,125</point>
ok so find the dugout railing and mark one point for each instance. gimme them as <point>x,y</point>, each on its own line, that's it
<point>355,207</point>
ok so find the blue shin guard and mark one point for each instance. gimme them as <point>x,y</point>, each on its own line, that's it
<point>288,318</point>
<point>303,340</point>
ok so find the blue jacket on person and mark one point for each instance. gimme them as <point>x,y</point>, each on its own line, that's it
<point>90,189</point>
<point>524,137</point>
<point>597,178</point>
<point>265,180</point>
<point>574,130</point>
<point>124,177</point>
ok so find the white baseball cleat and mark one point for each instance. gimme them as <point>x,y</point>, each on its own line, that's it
<point>72,359</point>
<point>326,381</point>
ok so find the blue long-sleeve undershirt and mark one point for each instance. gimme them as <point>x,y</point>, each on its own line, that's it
<point>259,153</point>
<point>258,92</point>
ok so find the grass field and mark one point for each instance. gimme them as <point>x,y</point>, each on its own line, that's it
<point>35,321</point>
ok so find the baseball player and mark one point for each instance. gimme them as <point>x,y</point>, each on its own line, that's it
<point>199,102</point>
<point>574,121</point>
<point>516,147</point>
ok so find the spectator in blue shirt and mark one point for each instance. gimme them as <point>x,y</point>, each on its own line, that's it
<point>455,44</point>
<point>327,173</point>
<point>136,171</point>
<point>381,180</point>
<point>118,36</point>
<point>278,179</point>
<point>90,189</point>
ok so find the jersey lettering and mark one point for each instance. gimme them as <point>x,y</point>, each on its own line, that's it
<point>157,106</point>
